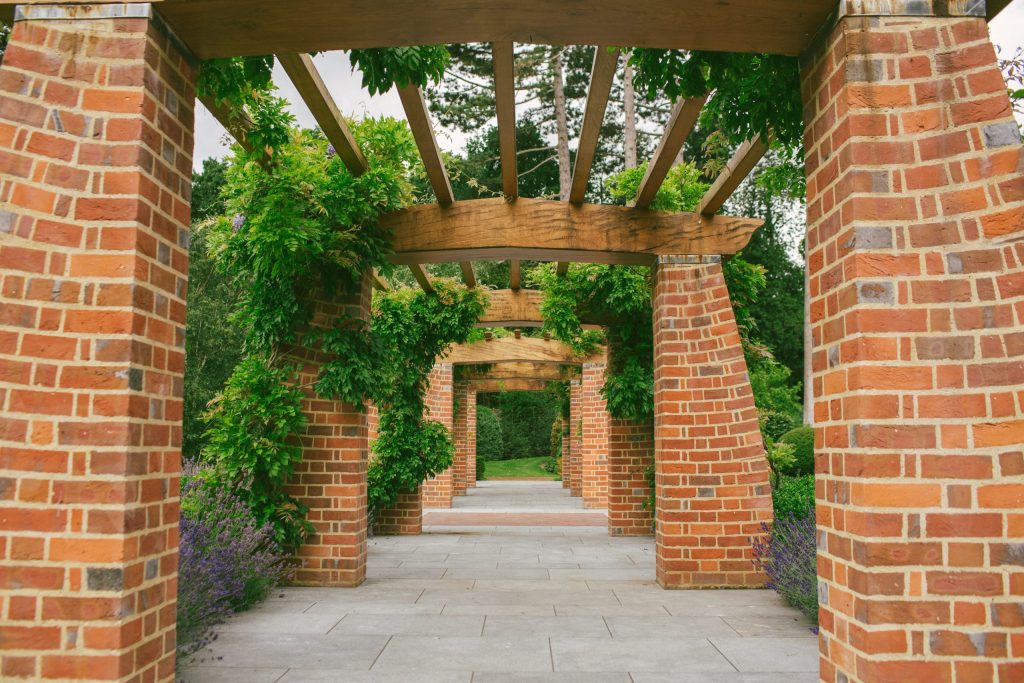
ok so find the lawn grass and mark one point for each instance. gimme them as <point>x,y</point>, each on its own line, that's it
<point>519,468</point>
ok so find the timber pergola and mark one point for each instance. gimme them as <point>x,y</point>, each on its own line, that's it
<point>914,296</point>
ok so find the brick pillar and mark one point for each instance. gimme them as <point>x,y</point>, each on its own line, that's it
<point>575,440</point>
<point>594,437</point>
<point>404,518</point>
<point>712,477</point>
<point>915,218</point>
<point>95,177</point>
<point>331,478</point>
<point>464,435</point>
<point>437,491</point>
<point>566,451</point>
<point>630,453</point>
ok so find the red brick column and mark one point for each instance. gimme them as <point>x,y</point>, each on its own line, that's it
<point>594,437</point>
<point>437,492</point>
<point>915,225</point>
<point>575,437</point>
<point>464,435</point>
<point>331,478</point>
<point>566,451</point>
<point>95,174</point>
<point>404,518</point>
<point>630,453</point>
<point>711,473</point>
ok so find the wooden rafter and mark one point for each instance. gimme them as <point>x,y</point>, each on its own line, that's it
<point>515,275</point>
<point>423,132</point>
<point>505,102</point>
<point>420,273</point>
<point>490,386</point>
<point>468,276</point>
<point>548,230</point>
<point>684,118</point>
<point>562,268</point>
<point>314,93</point>
<point>601,76</point>
<point>519,370</point>
<point>237,125</point>
<point>738,168</point>
<point>379,283</point>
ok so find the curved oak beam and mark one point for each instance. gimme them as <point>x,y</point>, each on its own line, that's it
<point>511,349</point>
<point>518,308</point>
<point>547,230</point>
<point>518,370</point>
<point>496,386</point>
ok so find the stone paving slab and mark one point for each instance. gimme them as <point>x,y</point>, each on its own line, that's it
<point>516,604</point>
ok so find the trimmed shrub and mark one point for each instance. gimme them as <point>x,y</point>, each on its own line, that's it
<point>775,424</point>
<point>802,439</point>
<point>227,561</point>
<point>481,468</point>
<point>526,418</point>
<point>789,557</point>
<point>793,496</point>
<point>489,442</point>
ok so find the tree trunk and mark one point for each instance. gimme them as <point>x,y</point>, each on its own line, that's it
<point>564,171</point>
<point>629,111</point>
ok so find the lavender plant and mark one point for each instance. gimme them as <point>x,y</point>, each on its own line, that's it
<point>227,561</point>
<point>788,554</point>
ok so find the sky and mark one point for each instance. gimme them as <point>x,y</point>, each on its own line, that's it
<point>353,100</point>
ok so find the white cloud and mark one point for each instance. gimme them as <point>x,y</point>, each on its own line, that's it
<point>211,139</point>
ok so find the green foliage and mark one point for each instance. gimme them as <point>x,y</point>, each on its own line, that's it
<point>526,419</point>
<point>411,329</point>
<point>682,190</point>
<point>384,68</point>
<point>775,424</point>
<point>554,461</point>
<point>802,440</point>
<point>793,496</point>
<point>1013,72</point>
<point>481,469</point>
<point>5,35</point>
<point>489,442</point>
<point>751,93</point>
<point>307,226</point>
<point>781,457</point>
<point>252,445</point>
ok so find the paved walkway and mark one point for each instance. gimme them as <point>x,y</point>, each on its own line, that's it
<point>516,503</point>
<point>507,604</point>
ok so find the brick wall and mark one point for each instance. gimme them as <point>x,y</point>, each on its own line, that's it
<point>575,438</point>
<point>95,181</point>
<point>566,451</point>
<point>711,473</point>
<point>593,437</point>
<point>437,492</point>
<point>915,219</point>
<point>330,480</point>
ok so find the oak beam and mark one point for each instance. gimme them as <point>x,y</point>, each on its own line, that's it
<point>237,124</point>
<point>505,103</point>
<point>379,283</point>
<point>314,93</point>
<point>494,386</point>
<point>602,74</point>
<point>515,275</point>
<point>423,132</point>
<point>562,269</point>
<point>519,370</point>
<point>680,125</point>
<point>512,349</point>
<point>519,308</point>
<point>548,230</point>
<point>420,273</point>
<point>468,276</point>
<point>738,168</point>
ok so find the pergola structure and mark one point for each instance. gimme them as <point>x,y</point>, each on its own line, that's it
<point>915,216</point>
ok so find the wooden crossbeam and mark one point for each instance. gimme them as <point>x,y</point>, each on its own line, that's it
<point>562,269</point>
<point>505,102</point>
<point>519,370</point>
<point>420,273</point>
<point>601,76</point>
<point>738,168</point>
<point>683,119</point>
<point>506,349</point>
<point>237,125</point>
<point>548,230</point>
<point>314,93</point>
<point>518,308</point>
<point>423,132</point>
<point>494,386</point>
<point>515,275</point>
<point>467,274</point>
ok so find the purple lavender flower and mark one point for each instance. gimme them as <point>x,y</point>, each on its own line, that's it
<point>227,561</point>
<point>237,222</point>
<point>331,152</point>
<point>788,554</point>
